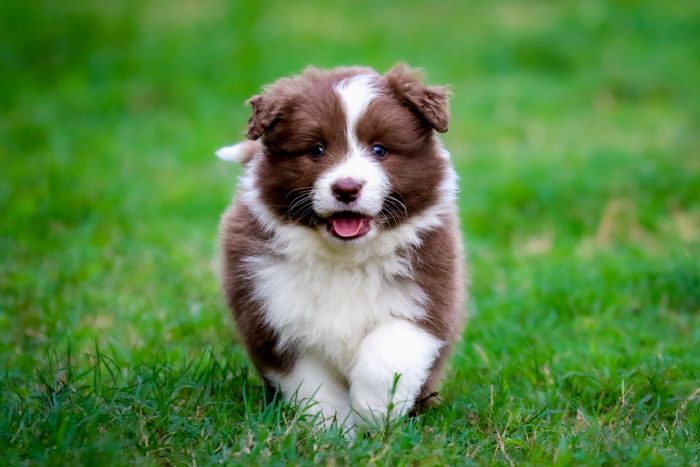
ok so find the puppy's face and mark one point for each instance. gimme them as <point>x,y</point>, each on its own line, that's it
<point>349,152</point>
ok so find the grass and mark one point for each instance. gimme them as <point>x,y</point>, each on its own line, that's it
<point>575,129</point>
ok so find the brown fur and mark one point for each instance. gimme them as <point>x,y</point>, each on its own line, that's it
<point>431,102</point>
<point>241,236</point>
<point>440,272</point>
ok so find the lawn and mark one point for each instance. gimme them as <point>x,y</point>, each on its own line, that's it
<point>576,132</point>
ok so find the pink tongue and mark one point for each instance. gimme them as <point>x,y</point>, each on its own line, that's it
<point>347,226</point>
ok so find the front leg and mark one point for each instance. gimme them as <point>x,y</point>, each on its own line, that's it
<point>314,388</point>
<point>397,347</point>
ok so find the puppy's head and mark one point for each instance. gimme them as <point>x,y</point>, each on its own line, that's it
<point>349,152</point>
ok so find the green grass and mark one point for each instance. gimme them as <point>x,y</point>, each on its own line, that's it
<point>575,129</point>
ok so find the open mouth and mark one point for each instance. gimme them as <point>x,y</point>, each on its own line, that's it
<point>348,225</point>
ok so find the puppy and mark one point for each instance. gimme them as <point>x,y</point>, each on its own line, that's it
<point>342,257</point>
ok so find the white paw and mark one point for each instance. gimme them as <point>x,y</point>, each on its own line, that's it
<point>392,364</point>
<point>316,392</point>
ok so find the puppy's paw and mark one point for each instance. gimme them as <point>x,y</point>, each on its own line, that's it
<point>373,404</point>
<point>392,364</point>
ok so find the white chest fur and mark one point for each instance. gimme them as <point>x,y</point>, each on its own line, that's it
<point>325,307</point>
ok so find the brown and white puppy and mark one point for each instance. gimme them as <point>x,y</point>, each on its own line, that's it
<point>342,257</point>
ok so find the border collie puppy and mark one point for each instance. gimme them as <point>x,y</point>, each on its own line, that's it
<point>342,256</point>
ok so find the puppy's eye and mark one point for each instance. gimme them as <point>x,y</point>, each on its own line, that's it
<point>378,150</point>
<point>317,150</point>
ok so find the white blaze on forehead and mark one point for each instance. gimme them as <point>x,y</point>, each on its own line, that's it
<point>355,93</point>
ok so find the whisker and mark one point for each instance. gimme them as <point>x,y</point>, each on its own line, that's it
<point>399,204</point>
<point>307,210</point>
<point>302,191</point>
<point>298,201</point>
<point>393,210</point>
<point>301,205</point>
<point>304,213</point>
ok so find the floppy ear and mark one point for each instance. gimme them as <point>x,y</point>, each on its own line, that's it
<point>264,113</point>
<point>431,102</point>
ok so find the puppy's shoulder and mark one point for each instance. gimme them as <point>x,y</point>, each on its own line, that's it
<point>440,272</point>
<point>240,231</point>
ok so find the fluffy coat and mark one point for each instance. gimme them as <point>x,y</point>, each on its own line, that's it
<point>342,257</point>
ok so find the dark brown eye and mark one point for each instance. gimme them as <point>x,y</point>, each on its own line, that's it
<point>317,150</point>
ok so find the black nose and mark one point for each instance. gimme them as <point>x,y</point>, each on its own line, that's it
<point>346,190</point>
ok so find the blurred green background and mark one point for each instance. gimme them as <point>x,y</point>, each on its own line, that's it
<point>576,132</point>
